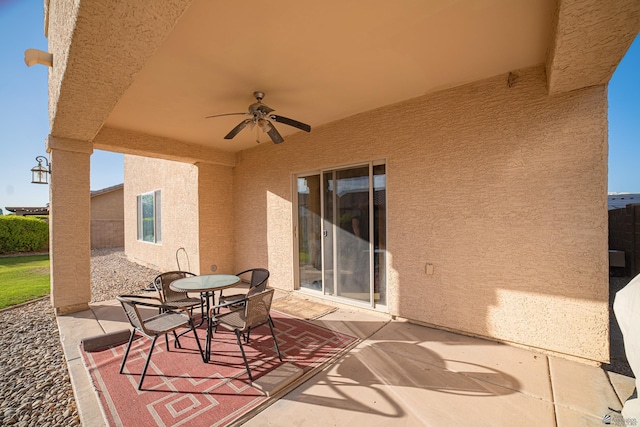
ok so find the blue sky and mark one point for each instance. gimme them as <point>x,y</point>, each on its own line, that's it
<point>624,123</point>
<point>24,122</point>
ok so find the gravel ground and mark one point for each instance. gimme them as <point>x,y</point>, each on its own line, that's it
<point>33,393</point>
<point>112,274</point>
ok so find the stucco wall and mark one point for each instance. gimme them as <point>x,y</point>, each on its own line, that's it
<point>70,224</point>
<point>215,198</point>
<point>108,205</point>
<point>107,219</point>
<point>178,184</point>
<point>502,188</point>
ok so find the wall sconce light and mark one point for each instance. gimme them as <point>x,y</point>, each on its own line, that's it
<point>39,173</point>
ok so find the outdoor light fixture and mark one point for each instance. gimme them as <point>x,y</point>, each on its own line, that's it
<point>39,173</point>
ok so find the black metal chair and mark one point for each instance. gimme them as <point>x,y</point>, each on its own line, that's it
<point>257,283</point>
<point>168,296</point>
<point>255,313</point>
<point>169,319</point>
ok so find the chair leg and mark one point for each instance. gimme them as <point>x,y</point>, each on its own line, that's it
<point>193,328</point>
<point>211,329</point>
<point>244,357</point>
<point>126,353</point>
<point>176,343</point>
<point>275,340</point>
<point>146,364</point>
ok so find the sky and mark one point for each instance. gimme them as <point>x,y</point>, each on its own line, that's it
<point>24,121</point>
<point>24,117</point>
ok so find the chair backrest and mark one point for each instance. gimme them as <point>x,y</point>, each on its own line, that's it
<point>162,282</point>
<point>162,323</point>
<point>132,313</point>
<point>258,280</point>
<point>257,309</point>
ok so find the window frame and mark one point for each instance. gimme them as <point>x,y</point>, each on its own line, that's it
<point>156,217</point>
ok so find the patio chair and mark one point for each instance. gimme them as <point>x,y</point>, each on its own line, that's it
<point>257,283</point>
<point>168,296</point>
<point>169,319</point>
<point>255,313</point>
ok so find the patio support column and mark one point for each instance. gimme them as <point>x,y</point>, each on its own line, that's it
<point>70,224</point>
<point>215,217</point>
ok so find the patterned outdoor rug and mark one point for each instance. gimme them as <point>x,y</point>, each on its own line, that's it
<point>179,389</point>
<point>301,308</point>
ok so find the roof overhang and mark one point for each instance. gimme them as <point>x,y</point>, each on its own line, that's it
<point>152,71</point>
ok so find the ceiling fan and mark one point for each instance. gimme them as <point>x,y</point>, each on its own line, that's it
<point>260,115</point>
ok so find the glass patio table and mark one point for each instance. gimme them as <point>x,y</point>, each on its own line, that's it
<point>207,285</point>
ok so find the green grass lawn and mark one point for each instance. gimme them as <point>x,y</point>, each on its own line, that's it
<point>23,278</point>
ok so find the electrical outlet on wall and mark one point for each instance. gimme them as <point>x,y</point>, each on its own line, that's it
<point>428,268</point>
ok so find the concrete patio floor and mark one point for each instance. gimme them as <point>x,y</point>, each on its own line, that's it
<point>403,374</point>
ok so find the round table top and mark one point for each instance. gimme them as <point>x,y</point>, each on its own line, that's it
<point>205,283</point>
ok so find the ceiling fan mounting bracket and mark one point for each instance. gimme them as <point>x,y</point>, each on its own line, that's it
<point>258,95</point>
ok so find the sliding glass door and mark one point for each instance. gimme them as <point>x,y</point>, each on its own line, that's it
<point>341,233</point>
<point>309,232</point>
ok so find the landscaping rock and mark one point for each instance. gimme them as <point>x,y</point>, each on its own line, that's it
<point>34,382</point>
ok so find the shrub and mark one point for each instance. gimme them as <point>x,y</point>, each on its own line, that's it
<point>22,234</point>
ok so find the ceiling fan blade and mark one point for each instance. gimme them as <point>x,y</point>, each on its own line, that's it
<point>238,128</point>
<point>274,134</point>
<point>228,114</point>
<point>296,124</point>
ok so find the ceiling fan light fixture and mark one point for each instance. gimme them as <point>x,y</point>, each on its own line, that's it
<point>264,125</point>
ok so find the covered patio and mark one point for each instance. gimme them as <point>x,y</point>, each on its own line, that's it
<point>398,373</point>
<point>486,120</point>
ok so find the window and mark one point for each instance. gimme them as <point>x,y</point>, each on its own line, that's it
<point>149,222</point>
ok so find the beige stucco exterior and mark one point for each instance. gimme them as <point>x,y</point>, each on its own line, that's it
<point>70,224</point>
<point>496,165</point>
<point>197,214</point>
<point>179,188</point>
<point>502,189</point>
<point>107,218</point>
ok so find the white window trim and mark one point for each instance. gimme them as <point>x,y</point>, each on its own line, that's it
<point>157,217</point>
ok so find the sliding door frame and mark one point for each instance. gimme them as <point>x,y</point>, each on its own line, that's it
<point>296,230</point>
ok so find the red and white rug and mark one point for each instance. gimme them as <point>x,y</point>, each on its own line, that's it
<point>179,389</point>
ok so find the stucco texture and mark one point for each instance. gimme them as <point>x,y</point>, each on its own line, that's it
<point>501,187</point>
<point>215,213</point>
<point>107,219</point>
<point>79,46</point>
<point>179,212</point>
<point>70,224</point>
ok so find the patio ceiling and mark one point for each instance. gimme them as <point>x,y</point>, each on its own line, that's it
<point>160,68</point>
<point>321,62</point>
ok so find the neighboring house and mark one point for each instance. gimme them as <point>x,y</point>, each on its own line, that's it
<point>620,200</point>
<point>423,117</point>
<point>107,217</point>
<point>25,211</point>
